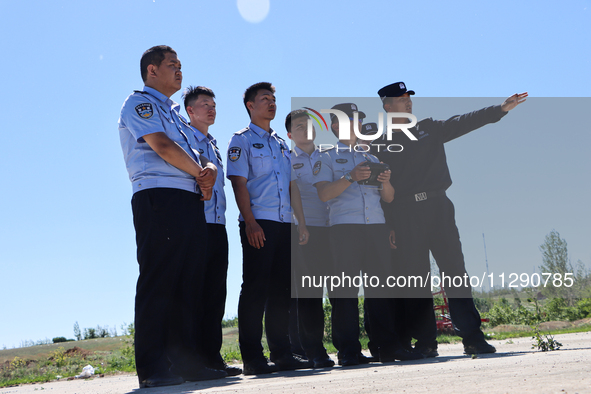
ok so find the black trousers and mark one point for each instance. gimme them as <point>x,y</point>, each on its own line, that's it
<point>265,291</point>
<point>294,319</point>
<point>171,239</point>
<point>355,248</point>
<point>214,289</point>
<point>314,260</point>
<point>430,226</point>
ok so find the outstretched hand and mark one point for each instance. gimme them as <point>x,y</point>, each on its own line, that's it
<point>513,101</point>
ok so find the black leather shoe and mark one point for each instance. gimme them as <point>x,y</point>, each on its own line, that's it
<point>480,347</point>
<point>427,352</point>
<point>230,370</point>
<point>259,367</point>
<point>161,379</point>
<point>349,360</point>
<point>387,356</point>
<point>204,374</point>
<point>363,359</point>
<point>290,362</point>
<point>323,362</point>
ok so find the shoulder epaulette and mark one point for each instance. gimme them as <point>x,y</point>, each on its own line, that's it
<point>244,130</point>
<point>140,91</point>
<point>181,118</point>
<point>327,150</point>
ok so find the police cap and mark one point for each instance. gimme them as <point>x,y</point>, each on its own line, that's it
<point>369,128</point>
<point>396,89</point>
<point>349,109</point>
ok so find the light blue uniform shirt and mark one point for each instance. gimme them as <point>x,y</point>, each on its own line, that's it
<point>358,204</point>
<point>315,210</point>
<point>264,160</point>
<point>150,112</point>
<point>215,209</point>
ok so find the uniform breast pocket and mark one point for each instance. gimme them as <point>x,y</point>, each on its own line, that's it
<point>305,177</point>
<point>299,174</point>
<point>261,162</point>
<point>339,171</point>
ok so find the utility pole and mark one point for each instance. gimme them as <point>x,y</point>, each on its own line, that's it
<point>486,261</point>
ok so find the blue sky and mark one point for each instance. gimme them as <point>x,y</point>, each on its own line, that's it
<point>67,248</point>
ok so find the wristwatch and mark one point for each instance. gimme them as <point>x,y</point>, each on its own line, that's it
<point>348,177</point>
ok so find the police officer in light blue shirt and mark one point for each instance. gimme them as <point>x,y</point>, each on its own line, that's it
<point>359,240</point>
<point>259,169</point>
<point>169,177</point>
<point>201,107</point>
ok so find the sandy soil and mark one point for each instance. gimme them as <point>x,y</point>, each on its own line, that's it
<point>515,368</point>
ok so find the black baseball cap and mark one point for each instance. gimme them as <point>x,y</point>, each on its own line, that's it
<point>396,89</point>
<point>349,109</point>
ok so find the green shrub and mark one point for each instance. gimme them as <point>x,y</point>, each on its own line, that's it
<point>482,304</point>
<point>59,357</point>
<point>128,351</point>
<point>503,313</point>
<point>327,307</point>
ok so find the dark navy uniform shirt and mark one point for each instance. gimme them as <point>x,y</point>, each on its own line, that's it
<point>422,164</point>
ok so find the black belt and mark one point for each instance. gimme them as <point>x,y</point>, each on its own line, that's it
<point>419,196</point>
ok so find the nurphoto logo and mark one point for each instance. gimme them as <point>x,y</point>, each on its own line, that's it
<point>345,131</point>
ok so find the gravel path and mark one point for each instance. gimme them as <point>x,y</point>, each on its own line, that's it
<point>515,368</point>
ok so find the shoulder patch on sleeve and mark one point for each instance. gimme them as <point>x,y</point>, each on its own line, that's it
<point>317,167</point>
<point>144,110</point>
<point>234,153</point>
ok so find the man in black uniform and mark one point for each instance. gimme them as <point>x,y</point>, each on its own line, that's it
<point>422,217</point>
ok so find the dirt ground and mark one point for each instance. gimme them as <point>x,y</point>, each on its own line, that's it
<point>515,368</point>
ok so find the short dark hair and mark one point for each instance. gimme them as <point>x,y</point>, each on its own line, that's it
<point>293,115</point>
<point>251,92</point>
<point>154,56</point>
<point>192,93</point>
